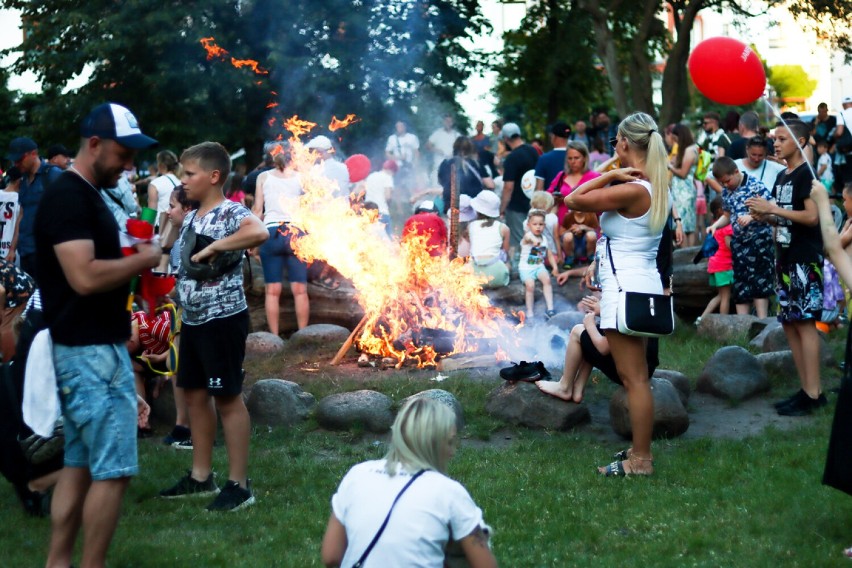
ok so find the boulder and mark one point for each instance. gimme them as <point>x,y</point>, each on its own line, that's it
<point>263,343</point>
<point>163,407</point>
<point>366,408</point>
<point>442,396</point>
<point>692,288</point>
<point>726,328</point>
<point>680,382</point>
<point>276,402</point>
<point>733,373</point>
<point>339,307</point>
<point>778,364</point>
<point>774,339</point>
<point>760,343</point>
<point>324,337</point>
<point>523,404</point>
<point>670,416</point>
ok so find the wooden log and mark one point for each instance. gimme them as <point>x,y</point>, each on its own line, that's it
<point>349,340</point>
<point>462,361</point>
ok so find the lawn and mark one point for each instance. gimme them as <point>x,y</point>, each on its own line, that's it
<point>751,502</point>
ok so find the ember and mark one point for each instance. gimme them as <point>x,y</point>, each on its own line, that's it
<point>216,52</point>
<point>337,124</point>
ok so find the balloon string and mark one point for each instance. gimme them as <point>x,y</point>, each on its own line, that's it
<point>795,139</point>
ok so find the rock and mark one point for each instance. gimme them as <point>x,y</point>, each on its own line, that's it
<point>338,307</point>
<point>523,404</point>
<point>778,364</point>
<point>774,339</point>
<point>163,407</point>
<point>445,397</point>
<point>276,402</point>
<point>759,325</point>
<point>726,328</point>
<point>759,341</point>
<point>680,382</point>
<point>254,280</point>
<point>670,416</point>
<point>368,408</point>
<point>324,337</point>
<point>692,289</point>
<point>733,373</point>
<point>263,343</point>
<point>566,320</point>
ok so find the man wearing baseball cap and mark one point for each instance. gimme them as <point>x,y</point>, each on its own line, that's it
<point>84,279</point>
<point>514,204</point>
<point>59,156</point>
<point>551,163</point>
<point>37,174</point>
<point>328,166</point>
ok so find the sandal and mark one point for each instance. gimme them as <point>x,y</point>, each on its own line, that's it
<point>615,469</point>
<point>622,455</point>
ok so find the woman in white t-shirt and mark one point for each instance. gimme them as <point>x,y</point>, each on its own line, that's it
<point>432,510</point>
<point>161,187</point>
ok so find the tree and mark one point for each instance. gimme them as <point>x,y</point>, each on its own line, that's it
<point>548,69</point>
<point>374,58</point>
<point>791,81</point>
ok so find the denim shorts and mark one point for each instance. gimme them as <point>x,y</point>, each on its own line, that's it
<point>276,253</point>
<point>98,400</point>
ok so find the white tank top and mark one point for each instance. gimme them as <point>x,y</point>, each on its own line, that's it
<point>485,241</point>
<point>280,199</point>
<point>633,243</point>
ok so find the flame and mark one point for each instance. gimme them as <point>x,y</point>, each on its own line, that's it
<point>418,307</point>
<point>271,122</point>
<point>272,104</point>
<point>213,50</point>
<point>298,127</point>
<point>337,124</point>
<point>251,63</point>
<point>276,150</point>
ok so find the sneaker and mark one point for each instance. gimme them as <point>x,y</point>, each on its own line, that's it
<point>178,434</point>
<point>549,314</point>
<point>187,486</point>
<point>803,406</point>
<point>183,445</point>
<point>697,321</point>
<point>523,371</point>
<point>233,497</point>
<point>795,397</point>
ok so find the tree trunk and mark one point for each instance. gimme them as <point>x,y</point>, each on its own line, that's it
<point>675,95</point>
<point>640,69</point>
<point>554,95</point>
<point>605,47</point>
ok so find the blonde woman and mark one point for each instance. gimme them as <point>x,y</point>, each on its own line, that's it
<point>430,510</point>
<point>635,203</point>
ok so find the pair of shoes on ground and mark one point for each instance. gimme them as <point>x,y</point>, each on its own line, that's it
<point>800,404</point>
<point>179,438</point>
<point>527,372</point>
<point>232,497</point>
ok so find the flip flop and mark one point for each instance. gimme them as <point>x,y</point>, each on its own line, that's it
<point>615,469</point>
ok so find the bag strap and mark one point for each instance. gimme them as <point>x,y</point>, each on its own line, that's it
<point>115,199</point>
<point>385,523</point>
<point>611,263</point>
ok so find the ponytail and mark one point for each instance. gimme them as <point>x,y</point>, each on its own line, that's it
<point>641,132</point>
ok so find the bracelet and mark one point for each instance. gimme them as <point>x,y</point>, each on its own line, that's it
<point>677,219</point>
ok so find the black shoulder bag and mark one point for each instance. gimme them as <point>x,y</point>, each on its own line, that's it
<point>640,313</point>
<point>385,523</point>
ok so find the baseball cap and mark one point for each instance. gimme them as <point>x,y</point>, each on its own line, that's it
<point>846,100</point>
<point>57,150</point>
<point>20,146</point>
<point>112,121</point>
<point>560,129</point>
<point>510,130</point>
<point>427,206</point>
<point>319,143</point>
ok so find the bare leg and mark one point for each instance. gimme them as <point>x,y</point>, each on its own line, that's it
<point>580,381</point>
<point>302,303</point>
<point>632,366</point>
<point>573,359</point>
<point>202,416</point>
<point>66,513</point>
<point>181,412</point>
<point>761,306</point>
<point>803,338</point>
<point>45,482</point>
<point>711,306</point>
<point>546,289</point>
<point>744,309</point>
<point>724,299</point>
<point>272,305</point>
<point>568,246</point>
<point>591,244</point>
<point>237,427</point>
<point>529,296</point>
<point>100,518</point>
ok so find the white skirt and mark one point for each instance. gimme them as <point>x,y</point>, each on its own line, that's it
<point>633,279</point>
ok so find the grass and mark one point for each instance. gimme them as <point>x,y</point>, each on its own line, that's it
<point>752,502</point>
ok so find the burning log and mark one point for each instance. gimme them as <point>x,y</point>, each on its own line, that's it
<point>348,343</point>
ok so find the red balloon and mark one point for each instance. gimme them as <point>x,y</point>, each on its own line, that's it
<point>727,71</point>
<point>359,167</point>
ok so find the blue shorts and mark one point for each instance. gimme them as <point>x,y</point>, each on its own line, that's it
<point>276,252</point>
<point>530,272</point>
<point>98,400</point>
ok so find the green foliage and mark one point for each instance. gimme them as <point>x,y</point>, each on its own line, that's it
<point>10,118</point>
<point>379,59</point>
<point>791,81</point>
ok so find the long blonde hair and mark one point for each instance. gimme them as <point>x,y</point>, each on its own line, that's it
<point>641,133</point>
<point>420,435</point>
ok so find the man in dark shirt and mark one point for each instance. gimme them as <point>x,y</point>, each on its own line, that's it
<point>250,181</point>
<point>514,205</point>
<point>84,287</point>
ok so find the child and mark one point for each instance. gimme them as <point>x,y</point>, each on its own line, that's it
<point>720,267</point>
<point>545,201</point>
<point>214,326</point>
<point>824,171</point>
<point>489,240</point>
<point>534,250</point>
<point>578,235</point>
<point>799,264</point>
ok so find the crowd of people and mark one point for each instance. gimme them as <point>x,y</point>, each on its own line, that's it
<point>606,201</point>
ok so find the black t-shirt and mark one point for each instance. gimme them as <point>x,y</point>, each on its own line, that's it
<point>797,243</point>
<point>519,161</point>
<point>72,210</point>
<point>250,181</point>
<point>468,178</point>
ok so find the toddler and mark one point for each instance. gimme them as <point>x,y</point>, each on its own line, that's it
<point>534,250</point>
<point>720,267</point>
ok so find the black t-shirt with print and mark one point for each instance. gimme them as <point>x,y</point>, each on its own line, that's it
<point>72,210</point>
<point>796,242</point>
